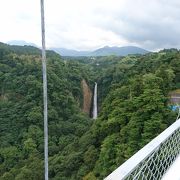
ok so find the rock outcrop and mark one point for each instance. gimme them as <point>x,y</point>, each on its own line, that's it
<point>87,97</point>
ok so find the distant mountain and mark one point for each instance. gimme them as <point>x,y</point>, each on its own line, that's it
<point>105,51</point>
<point>119,51</point>
<point>70,52</point>
<point>21,43</point>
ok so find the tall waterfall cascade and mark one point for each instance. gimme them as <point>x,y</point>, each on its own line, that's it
<point>95,102</point>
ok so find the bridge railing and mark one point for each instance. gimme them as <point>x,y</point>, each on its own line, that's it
<point>154,159</point>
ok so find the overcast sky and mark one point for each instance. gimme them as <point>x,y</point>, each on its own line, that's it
<point>90,24</point>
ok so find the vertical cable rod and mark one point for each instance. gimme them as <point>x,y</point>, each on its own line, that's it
<point>44,91</point>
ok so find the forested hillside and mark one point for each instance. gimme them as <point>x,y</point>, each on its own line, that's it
<point>133,109</point>
<point>21,118</point>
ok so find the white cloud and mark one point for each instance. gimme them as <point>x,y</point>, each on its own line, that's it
<point>19,20</point>
<point>89,24</point>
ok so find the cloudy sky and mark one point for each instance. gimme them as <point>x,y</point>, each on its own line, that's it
<point>90,24</point>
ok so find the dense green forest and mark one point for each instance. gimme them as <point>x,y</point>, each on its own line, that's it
<point>133,108</point>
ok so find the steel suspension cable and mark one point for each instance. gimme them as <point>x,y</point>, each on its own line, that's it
<point>44,91</point>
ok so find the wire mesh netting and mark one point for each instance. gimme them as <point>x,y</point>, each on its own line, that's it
<point>157,163</point>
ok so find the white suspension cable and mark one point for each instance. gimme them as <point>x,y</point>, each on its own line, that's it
<point>44,91</point>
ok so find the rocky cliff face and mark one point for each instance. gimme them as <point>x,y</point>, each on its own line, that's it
<point>87,97</point>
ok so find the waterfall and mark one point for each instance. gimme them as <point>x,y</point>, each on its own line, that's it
<point>95,102</point>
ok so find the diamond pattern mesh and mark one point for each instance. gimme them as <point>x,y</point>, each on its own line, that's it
<point>155,166</point>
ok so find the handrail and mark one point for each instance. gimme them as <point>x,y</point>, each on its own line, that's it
<point>132,163</point>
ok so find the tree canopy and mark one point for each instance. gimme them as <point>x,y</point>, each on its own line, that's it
<point>133,106</point>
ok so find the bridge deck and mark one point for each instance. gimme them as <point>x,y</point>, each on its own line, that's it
<point>174,171</point>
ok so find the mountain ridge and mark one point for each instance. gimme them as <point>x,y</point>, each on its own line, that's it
<point>21,43</point>
<point>104,51</point>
